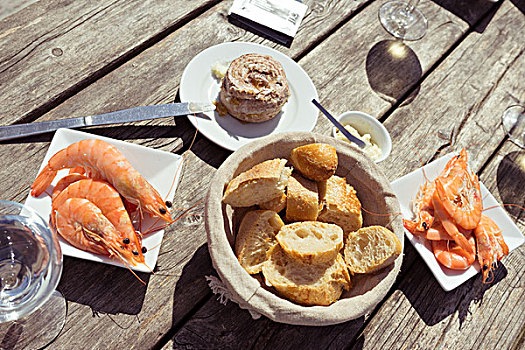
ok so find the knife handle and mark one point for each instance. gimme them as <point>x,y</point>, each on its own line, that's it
<point>20,130</point>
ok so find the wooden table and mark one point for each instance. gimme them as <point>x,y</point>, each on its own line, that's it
<point>75,58</point>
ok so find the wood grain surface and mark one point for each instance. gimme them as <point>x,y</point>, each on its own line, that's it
<point>444,92</point>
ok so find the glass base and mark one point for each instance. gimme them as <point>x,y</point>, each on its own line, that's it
<point>513,120</point>
<point>38,329</point>
<point>397,21</point>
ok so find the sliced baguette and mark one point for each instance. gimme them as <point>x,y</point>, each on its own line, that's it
<point>316,161</point>
<point>302,199</point>
<point>370,249</point>
<point>311,242</point>
<point>340,204</point>
<point>263,182</point>
<point>256,237</point>
<point>318,284</point>
<point>277,204</point>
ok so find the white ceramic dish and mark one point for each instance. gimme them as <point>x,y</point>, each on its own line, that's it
<point>366,124</point>
<point>406,188</point>
<point>199,85</point>
<point>160,168</point>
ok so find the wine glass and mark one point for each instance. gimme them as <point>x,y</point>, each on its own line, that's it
<point>32,312</point>
<point>403,20</point>
<point>513,120</point>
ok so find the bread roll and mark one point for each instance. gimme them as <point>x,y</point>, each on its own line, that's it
<point>277,204</point>
<point>263,182</point>
<point>311,242</point>
<point>316,284</point>
<point>256,237</point>
<point>254,88</point>
<point>316,161</point>
<point>370,249</point>
<point>340,204</point>
<point>302,199</point>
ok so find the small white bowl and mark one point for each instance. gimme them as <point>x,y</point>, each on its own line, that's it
<point>366,124</point>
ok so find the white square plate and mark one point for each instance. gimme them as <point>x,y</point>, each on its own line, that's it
<point>406,188</point>
<point>161,169</point>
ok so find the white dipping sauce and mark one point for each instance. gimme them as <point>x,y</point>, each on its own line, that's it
<point>371,148</point>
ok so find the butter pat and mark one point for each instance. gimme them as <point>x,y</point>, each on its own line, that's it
<point>218,69</point>
<point>371,148</point>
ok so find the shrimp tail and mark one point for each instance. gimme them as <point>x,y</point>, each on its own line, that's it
<point>42,181</point>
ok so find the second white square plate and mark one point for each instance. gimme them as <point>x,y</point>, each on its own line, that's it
<point>161,169</point>
<point>406,188</point>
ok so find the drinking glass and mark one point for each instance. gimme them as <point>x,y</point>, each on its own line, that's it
<point>403,20</point>
<point>32,312</point>
<point>513,120</point>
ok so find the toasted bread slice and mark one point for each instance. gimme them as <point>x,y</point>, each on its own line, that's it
<point>277,204</point>
<point>256,237</point>
<point>316,161</point>
<point>311,242</point>
<point>340,204</point>
<point>370,249</point>
<point>317,284</point>
<point>263,182</point>
<point>302,199</point>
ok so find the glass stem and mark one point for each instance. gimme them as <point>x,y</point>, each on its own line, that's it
<point>411,5</point>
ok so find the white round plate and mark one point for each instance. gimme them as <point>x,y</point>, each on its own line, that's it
<point>199,85</point>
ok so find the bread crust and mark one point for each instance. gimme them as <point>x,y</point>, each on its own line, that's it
<point>302,201</point>
<point>256,237</point>
<point>340,204</point>
<point>263,182</point>
<point>315,161</point>
<point>370,249</point>
<point>318,284</point>
<point>311,242</point>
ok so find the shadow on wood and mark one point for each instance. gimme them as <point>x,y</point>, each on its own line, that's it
<point>520,4</point>
<point>392,69</point>
<point>192,289</point>
<point>217,326</point>
<point>471,11</point>
<point>431,302</point>
<point>510,180</point>
<point>104,288</point>
<point>11,336</point>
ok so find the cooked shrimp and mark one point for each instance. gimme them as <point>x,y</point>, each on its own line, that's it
<point>490,244</point>
<point>437,232</point>
<point>423,208</point>
<point>451,255</point>
<point>108,200</point>
<point>105,162</point>
<point>450,226</point>
<point>460,194</point>
<point>65,182</point>
<point>82,224</point>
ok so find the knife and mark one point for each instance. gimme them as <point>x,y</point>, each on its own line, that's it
<point>126,115</point>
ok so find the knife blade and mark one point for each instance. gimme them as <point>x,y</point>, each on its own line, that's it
<point>134,114</point>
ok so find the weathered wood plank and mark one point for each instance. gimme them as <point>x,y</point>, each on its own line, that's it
<point>179,284</point>
<point>473,86</point>
<point>50,49</point>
